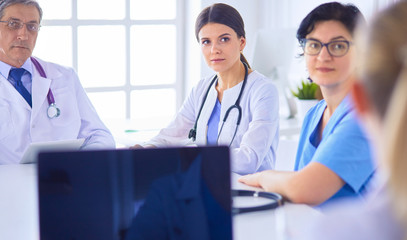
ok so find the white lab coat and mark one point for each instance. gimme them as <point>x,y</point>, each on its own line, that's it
<point>21,125</point>
<point>254,147</point>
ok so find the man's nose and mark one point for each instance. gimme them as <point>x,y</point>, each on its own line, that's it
<point>22,33</point>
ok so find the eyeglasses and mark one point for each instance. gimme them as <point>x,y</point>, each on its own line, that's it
<point>335,48</point>
<point>17,24</point>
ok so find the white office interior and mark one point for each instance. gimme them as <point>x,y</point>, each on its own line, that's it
<point>139,59</point>
<point>151,59</point>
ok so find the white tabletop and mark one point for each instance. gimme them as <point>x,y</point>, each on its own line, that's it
<point>281,223</point>
<point>18,202</point>
<point>19,210</point>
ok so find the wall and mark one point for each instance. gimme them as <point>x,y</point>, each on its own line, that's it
<point>266,16</point>
<point>271,14</point>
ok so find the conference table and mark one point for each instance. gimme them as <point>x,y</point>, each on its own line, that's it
<point>19,210</point>
<point>126,134</point>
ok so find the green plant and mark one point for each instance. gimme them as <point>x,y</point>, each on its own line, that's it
<point>307,90</point>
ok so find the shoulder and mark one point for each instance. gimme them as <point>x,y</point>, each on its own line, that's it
<point>345,113</point>
<point>200,90</point>
<point>203,84</point>
<point>260,85</point>
<point>347,122</point>
<point>259,80</point>
<point>54,70</point>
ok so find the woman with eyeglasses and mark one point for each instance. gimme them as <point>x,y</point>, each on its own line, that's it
<point>333,158</point>
<point>381,102</point>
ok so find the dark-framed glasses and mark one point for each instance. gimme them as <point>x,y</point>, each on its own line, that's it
<point>17,24</point>
<point>337,48</point>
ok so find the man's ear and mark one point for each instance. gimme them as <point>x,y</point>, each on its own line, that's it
<point>360,98</point>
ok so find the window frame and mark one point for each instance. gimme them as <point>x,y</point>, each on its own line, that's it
<point>127,22</point>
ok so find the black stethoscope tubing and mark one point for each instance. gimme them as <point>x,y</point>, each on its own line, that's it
<point>192,132</point>
<point>277,200</point>
<point>53,111</point>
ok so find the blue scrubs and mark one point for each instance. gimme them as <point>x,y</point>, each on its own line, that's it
<point>213,124</point>
<point>343,148</point>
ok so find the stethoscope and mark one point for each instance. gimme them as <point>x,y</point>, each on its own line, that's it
<point>53,111</point>
<point>275,200</point>
<point>192,132</point>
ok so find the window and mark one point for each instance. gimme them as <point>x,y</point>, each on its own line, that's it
<point>126,53</point>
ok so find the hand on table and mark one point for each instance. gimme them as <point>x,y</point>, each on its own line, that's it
<point>251,179</point>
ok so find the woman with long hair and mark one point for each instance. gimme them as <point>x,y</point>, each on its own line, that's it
<point>237,107</point>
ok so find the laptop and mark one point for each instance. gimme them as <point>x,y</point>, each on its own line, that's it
<point>135,194</point>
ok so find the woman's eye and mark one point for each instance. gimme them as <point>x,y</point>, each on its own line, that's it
<point>339,46</point>
<point>205,42</point>
<point>225,39</point>
<point>314,45</point>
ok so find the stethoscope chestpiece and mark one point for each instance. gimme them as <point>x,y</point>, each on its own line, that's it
<point>192,134</point>
<point>53,111</point>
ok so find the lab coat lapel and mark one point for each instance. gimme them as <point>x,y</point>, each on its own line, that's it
<point>9,94</point>
<point>205,115</point>
<point>40,87</point>
<point>229,99</point>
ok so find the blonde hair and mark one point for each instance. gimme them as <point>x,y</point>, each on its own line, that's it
<point>396,145</point>
<point>383,72</point>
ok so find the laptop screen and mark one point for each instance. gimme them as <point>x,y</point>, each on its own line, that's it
<point>163,193</point>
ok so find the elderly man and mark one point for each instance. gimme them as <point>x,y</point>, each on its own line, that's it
<point>39,101</point>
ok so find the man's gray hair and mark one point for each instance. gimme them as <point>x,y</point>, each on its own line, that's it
<point>7,3</point>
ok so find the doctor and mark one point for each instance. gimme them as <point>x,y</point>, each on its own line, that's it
<point>237,107</point>
<point>379,93</point>
<point>39,101</point>
<point>333,157</point>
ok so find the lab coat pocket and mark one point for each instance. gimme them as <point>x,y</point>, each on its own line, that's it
<point>6,125</point>
<point>65,100</point>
